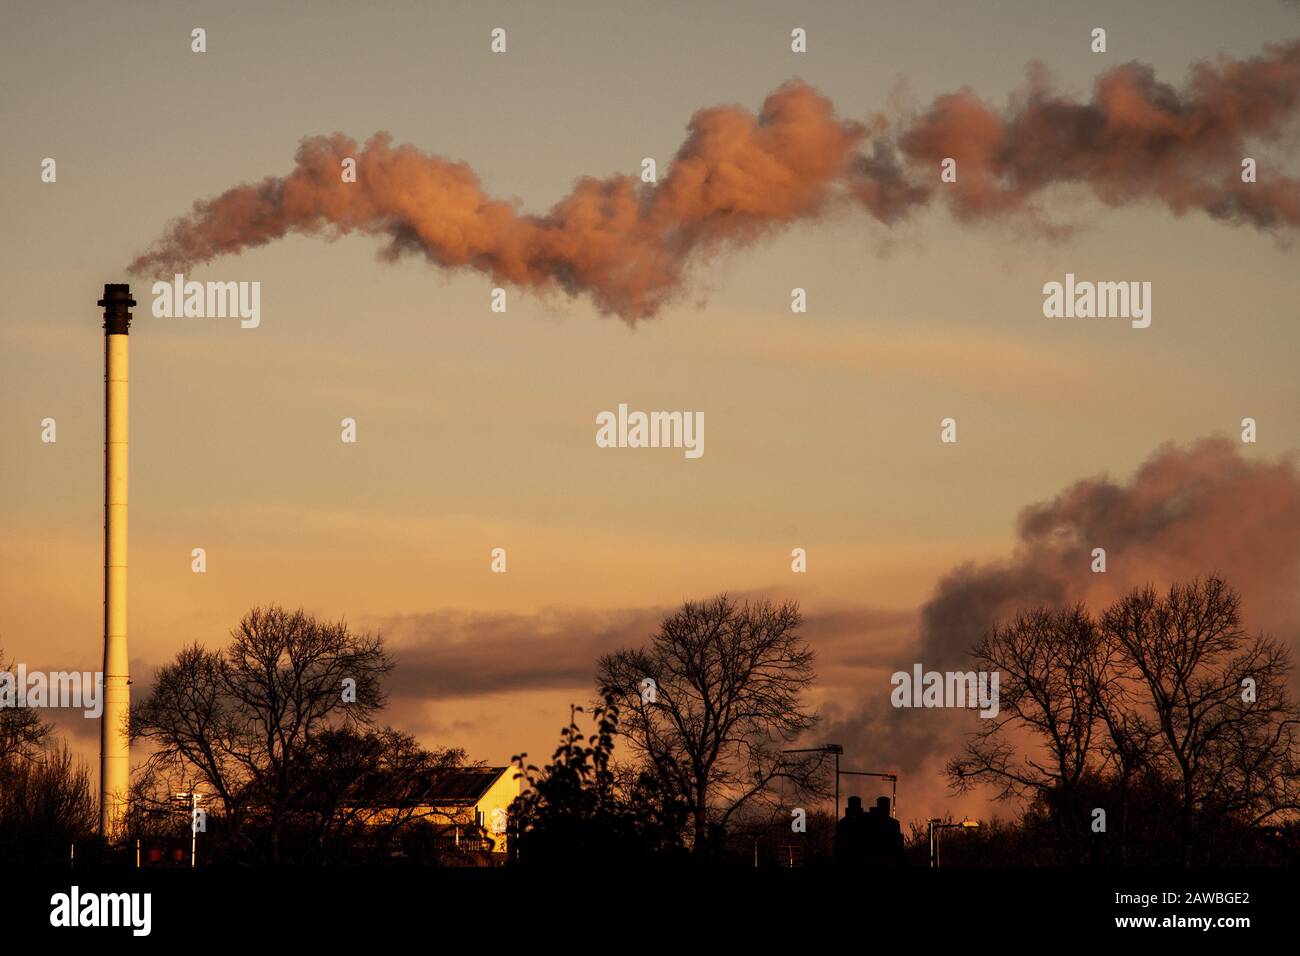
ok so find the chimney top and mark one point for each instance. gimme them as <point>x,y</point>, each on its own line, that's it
<point>117,303</point>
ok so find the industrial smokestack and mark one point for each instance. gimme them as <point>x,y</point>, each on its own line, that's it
<point>114,749</point>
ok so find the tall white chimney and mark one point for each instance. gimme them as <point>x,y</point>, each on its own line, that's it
<point>114,751</point>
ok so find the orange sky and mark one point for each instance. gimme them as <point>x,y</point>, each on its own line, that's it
<point>476,429</point>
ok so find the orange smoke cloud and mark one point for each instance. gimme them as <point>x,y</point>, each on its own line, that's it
<point>1188,511</point>
<point>1136,139</point>
<point>739,176</point>
<point>624,243</point>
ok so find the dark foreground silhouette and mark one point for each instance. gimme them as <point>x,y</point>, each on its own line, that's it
<point>871,838</point>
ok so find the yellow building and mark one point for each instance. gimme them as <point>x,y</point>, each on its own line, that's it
<point>476,800</point>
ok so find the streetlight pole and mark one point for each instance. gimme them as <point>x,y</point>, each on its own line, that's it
<point>835,749</point>
<point>191,800</point>
<point>937,824</point>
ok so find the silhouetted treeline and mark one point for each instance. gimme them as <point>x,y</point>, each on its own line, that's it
<point>1032,839</point>
<point>279,731</point>
<point>1158,731</point>
<point>47,801</point>
<point>47,804</point>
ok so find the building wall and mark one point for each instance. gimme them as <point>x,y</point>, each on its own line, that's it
<point>507,786</point>
<point>499,797</point>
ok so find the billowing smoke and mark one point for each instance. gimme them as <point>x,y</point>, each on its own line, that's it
<point>1137,139</point>
<point>623,242</point>
<point>738,176</point>
<point>1188,511</point>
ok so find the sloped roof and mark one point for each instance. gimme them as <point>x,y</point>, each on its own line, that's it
<point>463,785</point>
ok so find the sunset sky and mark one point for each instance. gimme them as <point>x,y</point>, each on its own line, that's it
<point>476,429</point>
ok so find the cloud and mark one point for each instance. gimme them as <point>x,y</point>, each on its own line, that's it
<point>452,654</point>
<point>1188,511</point>
<point>449,655</point>
<point>960,356</point>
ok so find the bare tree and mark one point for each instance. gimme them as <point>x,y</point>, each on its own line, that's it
<point>1046,661</point>
<point>1163,690</point>
<point>22,731</point>
<point>243,720</point>
<point>46,802</point>
<point>1227,728</point>
<point>1131,736</point>
<point>710,703</point>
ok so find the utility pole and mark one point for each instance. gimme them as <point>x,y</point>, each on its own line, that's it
<point>835,749</point>
<point>935,825</point>
<point>191,799</point>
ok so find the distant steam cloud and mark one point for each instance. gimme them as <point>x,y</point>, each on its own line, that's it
<point>739,176</point>
<point>1188,511</point>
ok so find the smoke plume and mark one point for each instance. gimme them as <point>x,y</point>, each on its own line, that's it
<point>624,243</point>
<point>628,245</point>
<point>1187,512</point>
